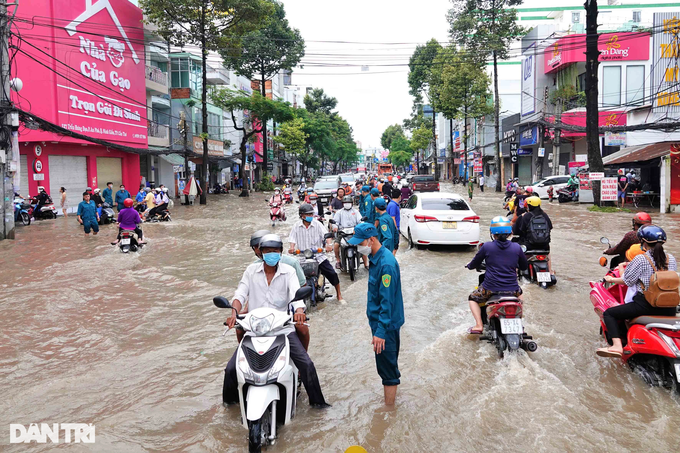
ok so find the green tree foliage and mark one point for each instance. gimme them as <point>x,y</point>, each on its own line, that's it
<point>317,101</point>
<point>210,25</point>
<point>400,151</point>
<point>266,51</point>
<point>420,69</point>
<point>486,28</point>
<point>390,134</point>
<point>260,110</point>
<point>421,138</point>
<point>292,136</point>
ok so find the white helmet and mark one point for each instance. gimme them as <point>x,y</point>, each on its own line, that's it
<point>97,190</point>
<point>165,189</point>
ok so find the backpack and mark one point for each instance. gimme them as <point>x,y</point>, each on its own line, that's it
<point>663,288</point>
<point>539,231</point>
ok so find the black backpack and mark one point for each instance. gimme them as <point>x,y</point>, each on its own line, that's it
<point>539,231</point>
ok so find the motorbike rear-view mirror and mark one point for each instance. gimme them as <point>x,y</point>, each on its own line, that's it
<point>524,248</point>
<point>603,261</point>
<point>604,240</point>
<point>221,302</point>
<point>303,293</point>
<point>329,236</point>
<point>331,221</point>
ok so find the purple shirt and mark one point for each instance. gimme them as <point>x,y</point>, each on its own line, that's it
<point>128,218</point>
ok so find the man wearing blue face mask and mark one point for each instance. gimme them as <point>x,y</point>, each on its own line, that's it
<point>272,284</point>
<point>310,234</point>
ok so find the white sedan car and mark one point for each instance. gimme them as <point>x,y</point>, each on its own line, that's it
<point>557,182</point>
<point>439,218</point>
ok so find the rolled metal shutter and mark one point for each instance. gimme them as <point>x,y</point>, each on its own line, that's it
<point>109,170</point>
<point>69,172</point>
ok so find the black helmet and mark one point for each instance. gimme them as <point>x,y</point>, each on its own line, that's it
<point>271,241</point>
<point>257,236</point>
<point>651,234</point>
<point>306,208</point>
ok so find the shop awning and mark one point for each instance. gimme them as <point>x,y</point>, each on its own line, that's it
<point>640,153</point>
<point>174,159</point>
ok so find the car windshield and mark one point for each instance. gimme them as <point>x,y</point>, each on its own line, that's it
<point>444,204</point>
<point>423,178</point>
<point>347,178</point>
<point>325,185</point>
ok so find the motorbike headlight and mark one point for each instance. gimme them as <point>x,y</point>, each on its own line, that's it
<point>671,344</point>
<point>245,367</point>
<point>309,254</point>
<point>348,231</point>
<point>261,326</point>
<point>278,366</point>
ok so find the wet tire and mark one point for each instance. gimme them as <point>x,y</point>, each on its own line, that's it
<point>53,215</point>
<point>257,430</point>
<point>351,265</point>
<point>410,239</point>
<point>25,219</point>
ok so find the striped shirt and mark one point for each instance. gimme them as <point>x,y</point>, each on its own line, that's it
<point>309,238</point>
<point>639,271</point>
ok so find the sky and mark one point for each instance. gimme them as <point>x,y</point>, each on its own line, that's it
<point>369,100</point>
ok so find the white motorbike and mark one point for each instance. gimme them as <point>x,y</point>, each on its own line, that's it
<point>267,377</point>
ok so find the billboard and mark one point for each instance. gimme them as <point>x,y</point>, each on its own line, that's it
<point>608,189</point>
<point>529,81</point>
<point>665,68</point>
<point>85,69</point>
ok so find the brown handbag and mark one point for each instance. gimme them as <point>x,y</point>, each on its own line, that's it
<point>663,288</point>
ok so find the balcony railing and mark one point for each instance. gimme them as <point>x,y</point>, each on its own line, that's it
<point>156,75</point>
<point>158,130</point>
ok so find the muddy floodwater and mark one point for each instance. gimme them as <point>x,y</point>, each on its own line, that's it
<point>133,344</point>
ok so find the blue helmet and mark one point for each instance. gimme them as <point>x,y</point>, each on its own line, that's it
<point>651,233</point>
<point>501,225</point>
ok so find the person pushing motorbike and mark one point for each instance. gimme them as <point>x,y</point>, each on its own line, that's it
<point>271,283</point>
<point>502,258</point>
<point>630,238</point>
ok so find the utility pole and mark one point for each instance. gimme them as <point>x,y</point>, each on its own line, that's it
<point>435,157</point>
<point>452,157</point>
<point>556,140</point>
<point>6,153</point>
<point>541,144</point>
<point>204,100</point>
<point>592,95</point>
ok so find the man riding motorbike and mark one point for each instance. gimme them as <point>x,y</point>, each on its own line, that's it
<point>42,199</point>
<point>129,219</point>
<point>309,233</point>
<point>347,217</point>
<point>630,238</point>
<point>502,258</point>
<point>273,284</point>
<point>161,201</point>
<point>533,228</point>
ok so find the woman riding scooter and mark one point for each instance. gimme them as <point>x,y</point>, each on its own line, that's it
<point>630,238</point>
<point>638,274</point>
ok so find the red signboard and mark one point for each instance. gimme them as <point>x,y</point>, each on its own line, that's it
<point>86,72</point>
<point>570,49</point>
<point>578,118</point>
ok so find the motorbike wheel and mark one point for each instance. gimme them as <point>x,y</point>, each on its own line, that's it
<point>410,240</point>
<point>351,267</point>
<point>25,219</point>
<point>257,430</point>
<point>53,214</point>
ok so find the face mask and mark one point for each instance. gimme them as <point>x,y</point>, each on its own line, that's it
<point>364,249</point>
<point>277,192</point>
<point>309,219</point>
<point>347,206</point>
<point>272,259</point>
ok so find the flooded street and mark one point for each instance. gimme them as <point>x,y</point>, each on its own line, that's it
<point>133,344</point>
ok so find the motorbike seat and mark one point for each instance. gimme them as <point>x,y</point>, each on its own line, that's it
<point>498,298</point>
<point>644,320</point>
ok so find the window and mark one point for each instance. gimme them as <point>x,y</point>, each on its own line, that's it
<point>575,17</point>
<point>444,204</point>
<point>635,84</point>
<point>637,16</point>
<point>185,73</point>
<point>413,202</point>
<point>581,82</point>
<point>611,85</point>
<point>214,126</point>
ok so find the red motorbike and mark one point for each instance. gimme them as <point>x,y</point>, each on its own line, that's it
<point>288,197</point>
<point>652,345</point>
<point>276,212</point>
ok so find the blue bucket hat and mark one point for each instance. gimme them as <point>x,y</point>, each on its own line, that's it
<point>380,203</point>
<point>362,232</point>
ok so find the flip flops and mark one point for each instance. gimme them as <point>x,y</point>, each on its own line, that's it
<point>605,352</point>
<point>473,331</point>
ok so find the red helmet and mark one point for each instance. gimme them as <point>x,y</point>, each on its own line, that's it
<point>529,189</point>
<point>128,202</point>
<point>642,218</point>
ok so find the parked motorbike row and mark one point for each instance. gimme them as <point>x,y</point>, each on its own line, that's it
<point>25,211</point>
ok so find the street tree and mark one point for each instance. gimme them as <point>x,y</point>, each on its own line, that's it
<point>487,28</point>
<point>420,81</point>
<point>389,134</point>
<point>259,110</point>
<point>420,139</point>
<point>293,138</point>
<point>265,52</point>
<point>400,151</point>
<point>464,91</point>
<point>317,101</point>
<point>210,25</point>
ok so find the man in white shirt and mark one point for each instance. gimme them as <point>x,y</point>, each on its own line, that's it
<point>273,284</point>
<point>481,182</point>
<point>347,217</point>
<point>309,233</point>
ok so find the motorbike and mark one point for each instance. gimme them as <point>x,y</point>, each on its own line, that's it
<point>288,197</point>
<point>503,327</point>
<point>276,213</point>
<point>22,211</point>
<point>267,376</point>
<point>538,271</point>
<point>302,193</point>
<point>315,280</point>
<point>162,216</point>
<point>106,214</point>
<point>567,194</point>
<point>129,242</point>
<point>349,256</point>
<point>652,345</point>
<point>47,211</point>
